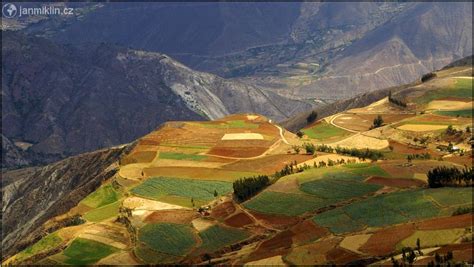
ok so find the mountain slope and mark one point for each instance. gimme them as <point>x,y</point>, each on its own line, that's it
<point>66,100</point>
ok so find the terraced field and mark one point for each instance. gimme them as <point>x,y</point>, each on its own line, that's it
<point>393,209</point>
<point>84,252</point>
<point>323,131</point>
<point>216,237</point>
<point>158,187</point>
<point>168,238</point>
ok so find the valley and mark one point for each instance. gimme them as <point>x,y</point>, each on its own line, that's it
<point>354,187</point>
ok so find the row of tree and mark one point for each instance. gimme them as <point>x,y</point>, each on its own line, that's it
<point>450,176</point>
<point>418,156</point>
<point>362,154</point>
<point>246,187</point>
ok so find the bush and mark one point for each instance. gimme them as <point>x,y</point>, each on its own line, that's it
<point>428,77</point>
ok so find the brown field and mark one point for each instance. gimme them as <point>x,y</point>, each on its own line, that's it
<point>362,122</point>
<point>238,152</point>
<point>139,157</point>
<point>171,216</point>
<point>313,253</point>
<point>239,220</point>
<point>433,118</point>
<point>394,182</point>
<point>269,164</point>
<point>461,252</point>
<point>383,242</point>
<point>340,256</point>
<point>408,149</point>
<point>467,159</point>
<point>277,245</point>
<point>307,231</point>
<point>396,168</point>
<point>195,173</point>
<point>277,221</point>
<point>460,221</point>
<point>223,210</point>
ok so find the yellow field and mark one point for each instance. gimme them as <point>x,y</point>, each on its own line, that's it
<point>449,105</point>
<point>421,127</point>
<point>242,136</point>
<point>361,142</point>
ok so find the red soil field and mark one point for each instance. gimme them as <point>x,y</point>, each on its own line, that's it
<point>238,152</point>
<point>278,245</point>
<point>341,256</point>
<point>461,160</point>
<point>383,242</point>
<point>277,221</point>
<point>461,252</point>
<point>239,220</point>
<point>459,221</point>
<point>223,210</point>
<point>406,149</point>
<point>307,231</point>
<point>171,216</point>
<point>396,182</point>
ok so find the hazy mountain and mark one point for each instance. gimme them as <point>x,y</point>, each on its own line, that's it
<point>315,50</point>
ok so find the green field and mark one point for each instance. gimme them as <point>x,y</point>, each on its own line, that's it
<point>157,187</point>
<point>461,89</point>
<point>151,256</point>
<point>181,156</point>
<point>216,237</point>
<point>395,208</point>
<point>85,251</point>
<point>335,187</point>
<point>169,238</point>
<point>467,113</point>
<point>48,242</point>
<point>323,130</point>
<point>367,170</point>
<point>103,213</point>
<point>338,221</point>
<point>432,238</point>
<point>284,203</point>
<point>103,196</point>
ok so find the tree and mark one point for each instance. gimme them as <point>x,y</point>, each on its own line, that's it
<point>468,129</point>
<point>192,201</point>
<point>215,193</point>
<point>310,148</point>
<point>378,121</point>
<point>300,134</point>
<point>312,117</point>
<point>418,246</point>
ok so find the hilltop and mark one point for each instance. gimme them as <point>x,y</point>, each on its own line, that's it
<point>354,187</point>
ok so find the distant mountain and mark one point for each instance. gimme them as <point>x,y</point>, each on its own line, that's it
<point>63,100</point>
<point>313,50</point>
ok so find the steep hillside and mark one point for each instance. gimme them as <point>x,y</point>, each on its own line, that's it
<point>64,100</point>
<point>32,196</point>
<point>463,66</point>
